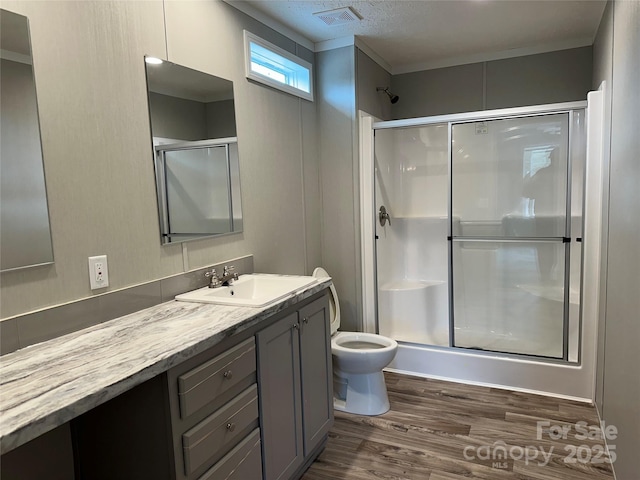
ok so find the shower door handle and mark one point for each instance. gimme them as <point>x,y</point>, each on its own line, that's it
<point>383,216</point>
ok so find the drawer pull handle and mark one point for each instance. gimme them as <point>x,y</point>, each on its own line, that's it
<point>231,427</point>
<point>228,374</point>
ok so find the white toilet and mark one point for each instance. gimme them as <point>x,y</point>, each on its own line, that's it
<point>358,360</point>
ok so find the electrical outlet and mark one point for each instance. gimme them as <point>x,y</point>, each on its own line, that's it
<point>98,272</point>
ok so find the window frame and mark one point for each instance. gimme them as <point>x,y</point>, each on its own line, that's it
<point>288,73</point>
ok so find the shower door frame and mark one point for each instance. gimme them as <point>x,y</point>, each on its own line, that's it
<point>566,239</point>
<point>368,195</point>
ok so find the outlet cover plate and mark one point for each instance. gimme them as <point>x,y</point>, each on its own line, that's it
<point>98,272</point>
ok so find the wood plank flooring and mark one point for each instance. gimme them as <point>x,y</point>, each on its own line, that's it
<point>440,430</point>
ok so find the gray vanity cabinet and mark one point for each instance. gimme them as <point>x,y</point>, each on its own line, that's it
<point>316,373</point>
<point>295,383</point>
<point>197,421</point>
<point>213,401</point>
<point>256,406</point>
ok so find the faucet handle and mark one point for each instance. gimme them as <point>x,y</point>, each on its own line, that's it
<point>212,273</point>
<point>229,269</point>
<point>215,280</point>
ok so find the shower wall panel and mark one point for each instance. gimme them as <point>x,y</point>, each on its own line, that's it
<point>411,169</point>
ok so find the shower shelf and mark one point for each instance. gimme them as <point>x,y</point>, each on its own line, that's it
<point>397,285</point>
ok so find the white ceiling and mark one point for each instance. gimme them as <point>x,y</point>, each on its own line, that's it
<point>416,35</point>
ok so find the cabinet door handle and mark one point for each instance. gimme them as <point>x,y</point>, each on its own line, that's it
<point>228,374</point>
<point>295,326</point>
<point>231,427</point>
<point>305,320</point>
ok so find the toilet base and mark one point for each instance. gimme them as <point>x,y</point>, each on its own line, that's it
<point>360,393</point>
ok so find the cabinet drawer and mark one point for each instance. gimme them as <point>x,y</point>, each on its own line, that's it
<point>201,385</point>
<point>223,427</point>
<point>244,462</point>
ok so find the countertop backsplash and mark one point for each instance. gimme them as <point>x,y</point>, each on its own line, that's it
<point>46,324</point>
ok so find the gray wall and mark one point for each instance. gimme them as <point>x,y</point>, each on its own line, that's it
<point>617,60</point>
<point>336,90</point>
<point>221,119</point>
<point>346,82</point>
<point>439,91</point>
<point>371,76</point>
<point>183,119</point>
<point>177,118</point>
<point>602,72</point>
<point>560,76</point>
<point>103,133</point>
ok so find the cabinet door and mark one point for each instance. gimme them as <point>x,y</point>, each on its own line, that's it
<point>280,398</point>
<point>317,374</point>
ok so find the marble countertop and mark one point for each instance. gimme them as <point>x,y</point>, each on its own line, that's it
<point>46,385</point>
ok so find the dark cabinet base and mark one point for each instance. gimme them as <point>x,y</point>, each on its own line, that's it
<point>48,456</point>
<point>127,437</point>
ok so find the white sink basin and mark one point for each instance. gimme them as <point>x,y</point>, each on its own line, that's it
<point>249,290</point>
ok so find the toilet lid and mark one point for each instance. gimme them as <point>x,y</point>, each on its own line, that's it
<point>334,305</point>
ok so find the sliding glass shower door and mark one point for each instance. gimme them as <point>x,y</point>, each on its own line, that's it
<point>478,226</point>
<point>510,234</point>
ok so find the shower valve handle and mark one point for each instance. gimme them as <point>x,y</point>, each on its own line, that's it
<point>383,216</point>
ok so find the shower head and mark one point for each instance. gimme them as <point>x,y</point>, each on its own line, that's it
<point>392,97</point>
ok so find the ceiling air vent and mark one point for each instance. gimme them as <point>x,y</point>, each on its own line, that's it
<point>339,16</point>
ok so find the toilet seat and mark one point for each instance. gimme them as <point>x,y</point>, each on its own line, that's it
<point>334,305</point>
<point>363,343</point>
<point>361,353</point>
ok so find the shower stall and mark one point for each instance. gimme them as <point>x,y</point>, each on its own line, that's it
<point>476,224</point>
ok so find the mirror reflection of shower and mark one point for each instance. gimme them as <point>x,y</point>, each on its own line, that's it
<point>193,129</point>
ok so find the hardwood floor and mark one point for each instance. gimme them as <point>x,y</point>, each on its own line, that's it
<point>440,430</point>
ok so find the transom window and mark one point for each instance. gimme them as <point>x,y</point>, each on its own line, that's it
<point>270,65</point>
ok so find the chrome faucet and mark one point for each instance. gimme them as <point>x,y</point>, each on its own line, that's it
<point>228,275</point>
<point>221,281</point>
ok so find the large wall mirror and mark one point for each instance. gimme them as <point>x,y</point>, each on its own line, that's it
<point>195,150</point>
<point>25,235</point>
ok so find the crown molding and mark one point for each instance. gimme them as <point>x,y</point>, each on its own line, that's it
<point>489,56</point>
<point>270,22</point>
